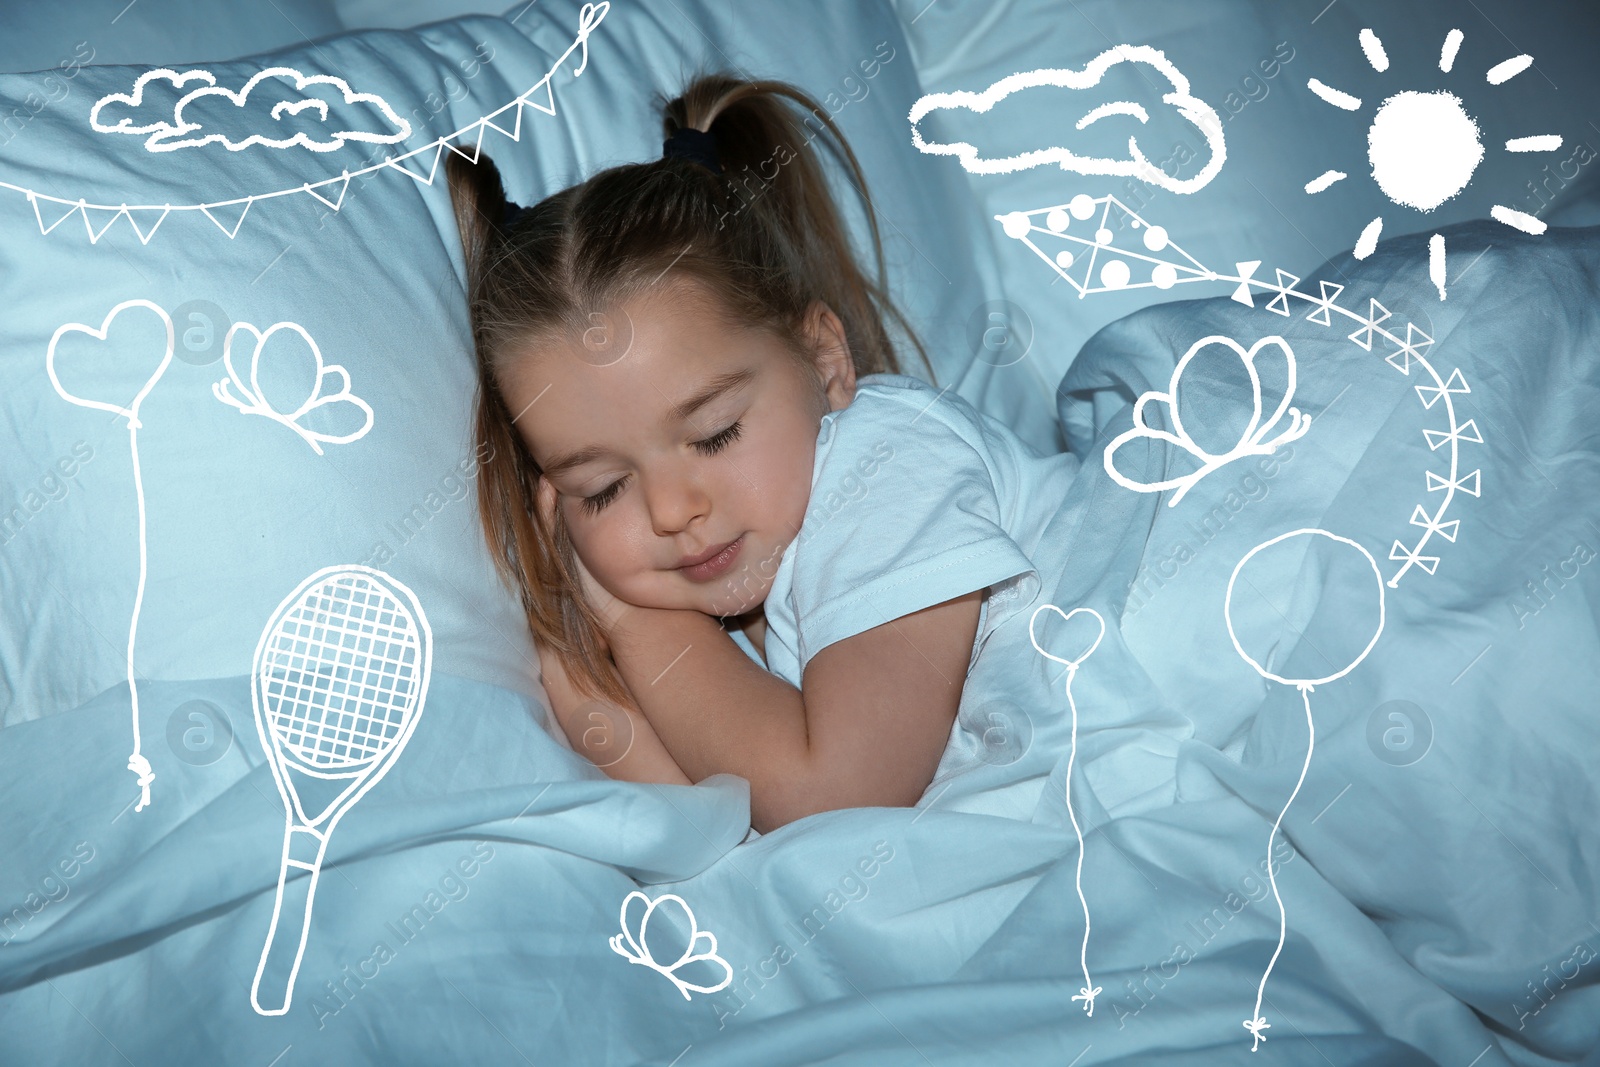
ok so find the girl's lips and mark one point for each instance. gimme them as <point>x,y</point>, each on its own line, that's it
<point>714,566</point>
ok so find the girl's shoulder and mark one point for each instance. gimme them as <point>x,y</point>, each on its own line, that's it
<point>892,386</point>
<point>886,395</point>
<point>907,404</point>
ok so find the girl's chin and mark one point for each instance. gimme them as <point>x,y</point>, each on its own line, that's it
<point>739,609</point>
<point>735,603</point>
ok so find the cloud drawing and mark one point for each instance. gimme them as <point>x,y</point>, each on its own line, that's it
<point>1190,108</point>
<point>278,107</point>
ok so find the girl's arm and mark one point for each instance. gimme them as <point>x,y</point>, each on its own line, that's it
<point>616,739</point>
<point>866,728</point>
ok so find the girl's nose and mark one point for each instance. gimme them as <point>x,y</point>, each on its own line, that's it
<point>675,499</point>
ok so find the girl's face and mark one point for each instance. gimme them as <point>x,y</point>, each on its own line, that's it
<point>664,436</point>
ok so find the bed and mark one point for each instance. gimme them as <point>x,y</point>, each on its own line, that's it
<point>1317,787</point>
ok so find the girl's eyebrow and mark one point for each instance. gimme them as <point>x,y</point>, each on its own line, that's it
<point>713,389</point>
<point>562,464</point>
<point>680,412</point>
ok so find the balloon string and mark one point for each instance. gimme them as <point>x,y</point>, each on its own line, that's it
<point>1089,990</point>
<point>1256,1024</point>
<point>137,763</point>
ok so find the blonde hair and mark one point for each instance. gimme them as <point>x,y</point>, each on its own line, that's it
<point>765,256</point>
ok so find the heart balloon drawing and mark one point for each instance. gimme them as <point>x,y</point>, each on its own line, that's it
<point>1072,663</point>
<point>130,411</point>
<point>1252,442</point>
<point>137,763</point>
<point>1066,617</point>
<point>254,401</point>
<point>634,945</point>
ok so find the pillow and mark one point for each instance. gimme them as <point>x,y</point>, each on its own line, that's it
<point>345,274</point>
<point>65,37</point>
<point>349,292</point>
<point>1250,61</point>
<point>401,14</point>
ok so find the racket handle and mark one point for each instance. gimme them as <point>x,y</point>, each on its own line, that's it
<point>273,988</point>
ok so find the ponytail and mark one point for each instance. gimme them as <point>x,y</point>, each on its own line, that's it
<point>479,200</point>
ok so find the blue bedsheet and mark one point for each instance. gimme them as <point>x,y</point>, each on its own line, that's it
<point>465,908</point>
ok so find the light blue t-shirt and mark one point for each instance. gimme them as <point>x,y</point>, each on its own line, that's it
<point>916,498</point>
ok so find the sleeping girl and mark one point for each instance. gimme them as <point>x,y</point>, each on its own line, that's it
<point>745,541</point>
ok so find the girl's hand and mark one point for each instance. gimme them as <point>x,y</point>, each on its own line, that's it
<point>609,608</point>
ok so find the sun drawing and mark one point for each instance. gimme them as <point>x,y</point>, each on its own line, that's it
<point>1425,147</point>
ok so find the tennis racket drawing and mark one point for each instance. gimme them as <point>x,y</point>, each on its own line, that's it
<point>341,676</point>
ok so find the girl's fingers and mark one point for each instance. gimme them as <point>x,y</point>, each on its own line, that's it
<point>608,607</point>
<point>546,501</point>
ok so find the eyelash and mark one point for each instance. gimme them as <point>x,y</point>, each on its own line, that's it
<point>710,446</point>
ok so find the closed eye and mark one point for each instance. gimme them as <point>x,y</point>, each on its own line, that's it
<point>710,446</point>
<point>594,504</point>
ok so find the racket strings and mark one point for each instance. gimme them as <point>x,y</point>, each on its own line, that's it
<point>344,674</point>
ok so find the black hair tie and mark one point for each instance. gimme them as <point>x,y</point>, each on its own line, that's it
<point>697,146</point>
<point>686,142</point>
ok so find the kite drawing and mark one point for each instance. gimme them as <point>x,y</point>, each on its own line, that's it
<point>1286,564</point>
<point>1151,62</point>
<point>1079,260</point>
<point>254,401</point>
<point>340,682</point>
<point>1425,147</point>
<point>633,944</point>
<point>137,762</point>
<point>1252,442</point>
<point>1089,990</point>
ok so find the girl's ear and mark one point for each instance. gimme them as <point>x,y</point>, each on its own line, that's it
<point>836,369</point>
